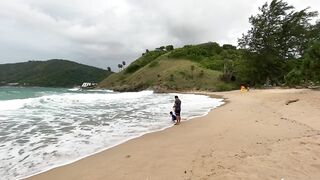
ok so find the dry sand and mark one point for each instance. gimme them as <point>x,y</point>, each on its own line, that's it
<point>254,136</point>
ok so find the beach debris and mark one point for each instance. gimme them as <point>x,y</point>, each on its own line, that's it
<point>244,89</point>
<point>291,101</point>
<point>128,156</point>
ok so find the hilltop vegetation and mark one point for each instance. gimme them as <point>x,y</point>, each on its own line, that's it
<point>281,48</point>
<point>193,67</point>
<point>51,73</point>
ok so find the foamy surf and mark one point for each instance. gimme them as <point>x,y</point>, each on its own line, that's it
<point>40,133</point>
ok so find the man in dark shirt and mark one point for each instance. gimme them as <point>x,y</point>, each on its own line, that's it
<point>177,109</point>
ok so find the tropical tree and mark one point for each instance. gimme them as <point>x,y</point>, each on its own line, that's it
<point>278,33</point>
<point>169,48</point>
<point>120,66</point>
<point>311,62</point>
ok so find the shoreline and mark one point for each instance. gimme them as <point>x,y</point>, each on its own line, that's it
<point>139,136</point>
<point>249,132</point>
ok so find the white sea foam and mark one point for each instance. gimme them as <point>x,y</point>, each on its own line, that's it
<point>75,89</point>
<point>13,104</point>
<point>40,133</point>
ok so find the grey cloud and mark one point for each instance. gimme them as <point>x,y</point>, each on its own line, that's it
<point>105,32</point>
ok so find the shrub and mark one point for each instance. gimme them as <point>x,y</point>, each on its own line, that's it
<point>223,87</point>
<point>132,68</point>
<point>294,77</point>
<point>143,61</point>
<point>169,48</point>
<point>311,62</point>
<point>228,46</point>
<point>201,74</point>
<point>154,64</point>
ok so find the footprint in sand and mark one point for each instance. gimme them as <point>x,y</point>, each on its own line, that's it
<point>317,166</point>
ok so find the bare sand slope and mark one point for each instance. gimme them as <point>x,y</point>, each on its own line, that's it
<point>254,136</point>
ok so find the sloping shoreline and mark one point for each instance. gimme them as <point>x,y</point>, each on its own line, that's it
<point>254,136</point>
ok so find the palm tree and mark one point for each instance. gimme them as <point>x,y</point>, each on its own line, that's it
<point>120,66</point>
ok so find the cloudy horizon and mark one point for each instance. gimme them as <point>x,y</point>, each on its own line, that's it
<point>103,33</point>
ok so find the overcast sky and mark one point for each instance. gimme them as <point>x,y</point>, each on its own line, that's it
<point>103,33</point>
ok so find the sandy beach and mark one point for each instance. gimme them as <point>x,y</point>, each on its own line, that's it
<point>255,135</point>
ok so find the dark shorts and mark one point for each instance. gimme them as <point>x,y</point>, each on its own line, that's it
<point>177,112</point>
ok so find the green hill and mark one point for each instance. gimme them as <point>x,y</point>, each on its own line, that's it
<point>289,55</point>
<point>51,73</point>
<point>193,67</point>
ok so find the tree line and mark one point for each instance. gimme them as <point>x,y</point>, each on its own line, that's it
<point>281,47</point>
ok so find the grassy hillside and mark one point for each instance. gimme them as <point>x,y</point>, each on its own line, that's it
<point>198,67</point>
<point>52,73</point>
<point>168,74</point>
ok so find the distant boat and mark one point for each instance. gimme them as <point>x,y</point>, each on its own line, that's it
<point>88,85</point>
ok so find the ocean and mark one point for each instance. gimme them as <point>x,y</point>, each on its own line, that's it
<point>42,128</point>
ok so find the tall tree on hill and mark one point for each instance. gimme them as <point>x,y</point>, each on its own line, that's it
<point>278,33</point>
<point>120,66</point>
<point>123,63</point>
<point>169,48</point>
<point>162,48</point>
<point>109,68</point>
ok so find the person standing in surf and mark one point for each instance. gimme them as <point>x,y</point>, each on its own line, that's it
<point>177,109</point>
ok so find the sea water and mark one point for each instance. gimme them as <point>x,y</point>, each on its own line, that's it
<point>42,128</point>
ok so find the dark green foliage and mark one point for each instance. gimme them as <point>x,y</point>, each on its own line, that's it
<point>133,68</point>
<point>201,74</point>
<point>229,46</point>
<point>311,62</point>
<point>54,73</point>
<point>315,31</point>
<point>169,48</point>
<point>196,52</point>
<point>228,71</point>
<point>278,34</point>
<point>212,56</point>
<point>279,30</point>
<point>209,55</point>
<point>222,87</point>
<point>154,64</point>
<point>143,61</point>
<point>294,77</point>
<point>213,63</point>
